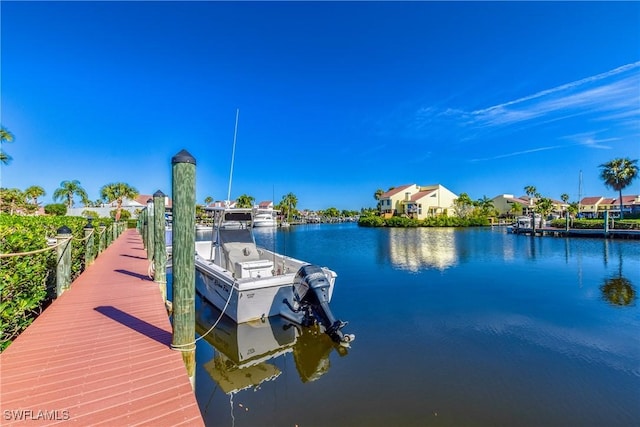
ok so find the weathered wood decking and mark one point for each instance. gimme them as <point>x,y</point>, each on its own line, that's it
<point>100,354</point>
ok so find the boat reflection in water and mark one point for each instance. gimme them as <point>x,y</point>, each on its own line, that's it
<point>242,351</point>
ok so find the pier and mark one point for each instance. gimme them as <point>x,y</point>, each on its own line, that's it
<point>100,354</point>
<point>578,232</point>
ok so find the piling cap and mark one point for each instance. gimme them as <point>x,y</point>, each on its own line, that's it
<point>64,230</point>
<point>183,157</point>
<point>158,194</point>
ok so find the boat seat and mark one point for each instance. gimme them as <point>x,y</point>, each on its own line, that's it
<point>239,252</point>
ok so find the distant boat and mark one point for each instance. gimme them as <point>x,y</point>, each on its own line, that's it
<point>264,218</point>
<point>250,283</point>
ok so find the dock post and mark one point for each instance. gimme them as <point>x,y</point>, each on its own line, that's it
<point>606,223</point>
<point>88,251</point>
<point>159,244</point>
<point>150,233</point>
<point>63,269</point>
<point>101,240</point>
<point>143,225</point>
<point>183,252</point>
<point>533,223</point>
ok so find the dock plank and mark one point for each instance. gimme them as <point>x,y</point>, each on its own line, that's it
<point>100,354</point>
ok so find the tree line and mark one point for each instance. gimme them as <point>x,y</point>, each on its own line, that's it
<point>616,174</point>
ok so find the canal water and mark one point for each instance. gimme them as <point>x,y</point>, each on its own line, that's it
<point>454,327</point>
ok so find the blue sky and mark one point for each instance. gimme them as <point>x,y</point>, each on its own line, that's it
<point>336,99</point>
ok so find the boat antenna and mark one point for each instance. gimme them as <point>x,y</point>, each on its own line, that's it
<point>233,155</point>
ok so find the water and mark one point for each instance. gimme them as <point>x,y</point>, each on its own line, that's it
<point>472,327</point>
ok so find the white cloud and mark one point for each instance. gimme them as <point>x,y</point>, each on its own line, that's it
<point>608,96</point>
<point>586,96</point>
<point>519,153</point>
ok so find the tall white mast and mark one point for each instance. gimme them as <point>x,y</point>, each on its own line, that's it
<point>233,155</point>
<point>580,192</point>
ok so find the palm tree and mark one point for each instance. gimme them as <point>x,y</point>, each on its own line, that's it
<point>565,199</point>
<point>531,191</point>
<point>117,192</point>
<point>208,200</point>
<point>379,192</point>
<point>11,200</point>
<point>544,206</point>
<point>245,201</point>
<point>618,174</point>
<point>289,202</point>
<point>486,205</point>
<point>463,205</point>
<point>5,136</point>
<point>67,190</point>
<point>33,193</point>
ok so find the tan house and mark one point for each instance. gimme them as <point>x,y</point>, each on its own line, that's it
<point>594,207</point>
<point>417,202</point>
<point>504,204</point>
<point>589,206</point>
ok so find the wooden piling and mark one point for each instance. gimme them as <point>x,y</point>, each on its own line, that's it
<point>150,229</point>
<point>89,238</point>
<point>183,254</point>
<point>159,244</point>
<point>143,224</point>
<point>63,269</point>
<point>102,239</point>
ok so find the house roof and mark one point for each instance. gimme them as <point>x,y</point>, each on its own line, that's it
<point>265,204</point>
<point>395,191</point>
<point>419,195</point>
<point>591,200</point>
<point>627,200</point>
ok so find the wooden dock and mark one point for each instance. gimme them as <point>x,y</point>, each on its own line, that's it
<point>579,232</point>
<point>100,354</point>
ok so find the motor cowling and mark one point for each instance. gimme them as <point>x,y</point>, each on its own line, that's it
<point>311,293</point>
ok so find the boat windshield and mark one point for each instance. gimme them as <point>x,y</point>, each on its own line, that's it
<point>235,236</point>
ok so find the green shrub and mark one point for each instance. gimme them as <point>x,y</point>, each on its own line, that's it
<point>371,221</point>
<point>27,282</point>
<point>401,221</point>
<point>59,209</point>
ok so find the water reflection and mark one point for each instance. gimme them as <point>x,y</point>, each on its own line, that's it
<point>618,291</point>
<point>414,249</point>
<point>243,352</point>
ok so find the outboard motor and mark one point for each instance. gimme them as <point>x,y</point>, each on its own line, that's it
<point>311,294</point>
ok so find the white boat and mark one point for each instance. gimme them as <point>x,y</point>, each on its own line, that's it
<point>525,221</point>
<point>264,218</point>
<point>250,283</point>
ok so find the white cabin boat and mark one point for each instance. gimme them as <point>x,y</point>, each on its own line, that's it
<point>264,218</point>
<point>249,283</point>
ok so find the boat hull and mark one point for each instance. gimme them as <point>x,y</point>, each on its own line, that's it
<point>245,300</point>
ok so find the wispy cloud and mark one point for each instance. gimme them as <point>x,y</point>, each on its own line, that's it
<point>519,153</point>
<point>589,139</point>
<point>610,100</point>
<point>590,94</point>
<point>609,96</point>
